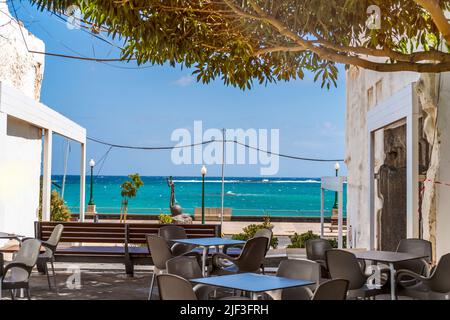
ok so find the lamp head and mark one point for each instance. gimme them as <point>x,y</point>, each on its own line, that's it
<point>203,171</point>
<point>91,163</point>
<point>337,166</point>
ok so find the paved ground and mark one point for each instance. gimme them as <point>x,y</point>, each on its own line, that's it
<point>99,282</point>
<point>94,285</point>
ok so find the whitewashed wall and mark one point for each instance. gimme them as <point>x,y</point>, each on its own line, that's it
<point>20,143</point>
<point>383,85</point>
<point>443,191</point>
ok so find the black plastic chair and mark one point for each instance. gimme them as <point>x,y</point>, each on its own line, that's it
<point>434,287</point>
<point>172,287</point>
<point>315,251</point>
<point>344,265</point>
<point>161,253</point>
<point>335,289</point>
<point>49,255</point>
<point>237,248</point>
<point>422,266</point>
<point>297,269</point>
<point>250,259</point>
<point>188,267</point>
<point>16,274</point>
<point>259,233</point>
<point>175,232</point>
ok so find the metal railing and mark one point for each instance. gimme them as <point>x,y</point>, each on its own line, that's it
<point>235,212</point>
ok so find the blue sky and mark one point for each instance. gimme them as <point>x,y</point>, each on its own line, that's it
<point>122,104</point>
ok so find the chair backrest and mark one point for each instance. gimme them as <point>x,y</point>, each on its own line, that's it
<point>56,235</point>
<point>265,233</point>
<point>136,232</point>
<point>159,250</point>
<point>184,266</point>
<point>252,255</point>
<point>414,246</point>
<point>316,248</point>
<point>28,252</point>
<point>172,232</point>
<point>440,279</point>
<point>344,265</point>
<point>172,287</point>
<point>298,269</point>
<point>335,289</point>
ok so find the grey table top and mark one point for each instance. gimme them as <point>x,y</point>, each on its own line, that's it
<point>209,242</point>
<point>252,282</point>
<point>387,256</point>
<point>5,235</point>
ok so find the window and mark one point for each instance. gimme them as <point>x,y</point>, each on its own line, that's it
<point>378,92</point>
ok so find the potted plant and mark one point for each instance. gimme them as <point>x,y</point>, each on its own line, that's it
<point>129,190</point>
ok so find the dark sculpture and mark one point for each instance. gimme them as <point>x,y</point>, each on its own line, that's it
<point>175,209</point>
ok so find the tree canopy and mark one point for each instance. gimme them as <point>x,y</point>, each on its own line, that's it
<point>243,41</point>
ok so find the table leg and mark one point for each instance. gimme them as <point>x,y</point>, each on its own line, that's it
<point>204,259</point>
<point>392,269</point>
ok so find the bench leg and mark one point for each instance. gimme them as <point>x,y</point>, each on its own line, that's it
<point>42,267</point>
<point>129,268</point>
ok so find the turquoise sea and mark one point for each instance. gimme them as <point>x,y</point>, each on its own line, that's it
<point>246,196</point>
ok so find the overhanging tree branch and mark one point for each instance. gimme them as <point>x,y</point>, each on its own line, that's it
<point>438,16</point>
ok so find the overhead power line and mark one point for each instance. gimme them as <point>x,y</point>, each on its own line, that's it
<point>149,148</point>
<point>61,55</point>
<point>281,155</point>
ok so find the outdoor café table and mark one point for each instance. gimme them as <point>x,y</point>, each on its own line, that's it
<point>206,243</point>
<point>390,258</point>
<point>10,236</point>
<point>252,282</point>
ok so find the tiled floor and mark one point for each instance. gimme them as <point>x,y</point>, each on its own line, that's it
<point>97,282</point>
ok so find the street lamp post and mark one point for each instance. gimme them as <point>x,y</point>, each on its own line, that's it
<point>91,199</point>
<point>203,173</point>
<point>336,168</point>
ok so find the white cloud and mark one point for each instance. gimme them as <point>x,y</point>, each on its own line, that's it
<point>328,129</point>
<point>185,81</point>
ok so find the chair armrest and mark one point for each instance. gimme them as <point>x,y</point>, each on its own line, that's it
<point>11,265</point>
<point>403,272</point>
<point>203,291</point>
<point>47,246</point>
<point>227,246</point>
<point>216,259</point>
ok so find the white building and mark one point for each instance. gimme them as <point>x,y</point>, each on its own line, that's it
<point>395,188</point>
<point>26,129</point>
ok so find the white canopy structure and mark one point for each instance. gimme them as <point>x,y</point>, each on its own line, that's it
<point>333,184</point>
<point>23,121</point>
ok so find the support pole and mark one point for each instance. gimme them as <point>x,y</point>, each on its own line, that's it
<point>82,181</point>
<point>47,175</point>
<point>321,212</point>
<point>371,191</point>
<point>3,150</point>
<point>66,158</point>
<point>340,219</point>
<point>223,179</point>
<point>412,173</point>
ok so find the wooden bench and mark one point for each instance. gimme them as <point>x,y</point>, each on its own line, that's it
<point>112,242</point>
<point>212,214</point>
<point>136,245</point>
